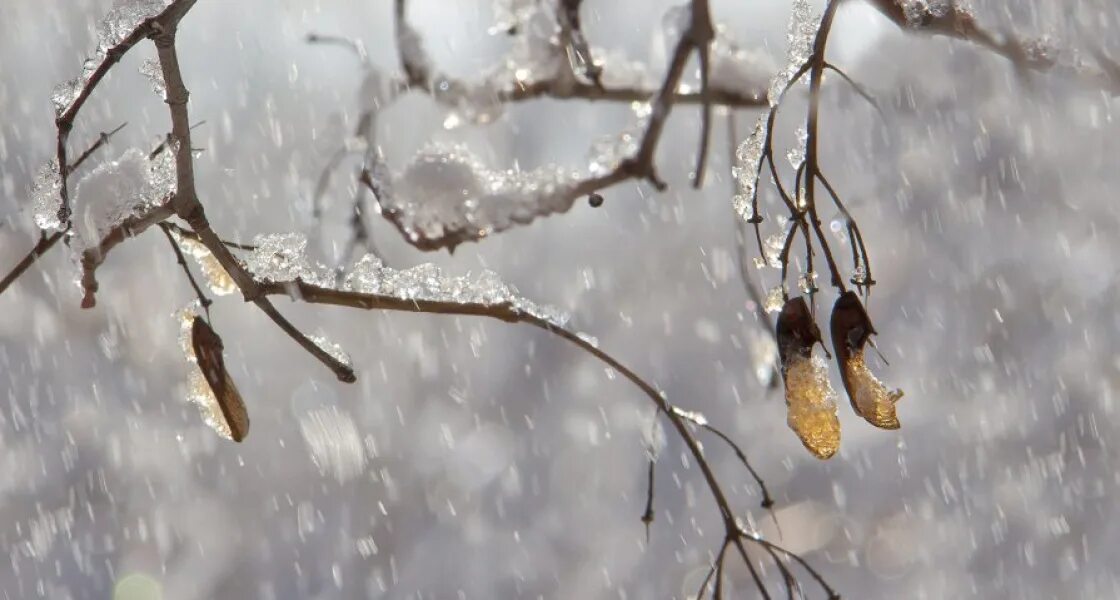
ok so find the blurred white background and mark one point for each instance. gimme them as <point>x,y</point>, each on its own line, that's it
<point>476,459</point>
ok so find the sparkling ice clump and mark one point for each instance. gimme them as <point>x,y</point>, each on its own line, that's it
<point>282,257</point>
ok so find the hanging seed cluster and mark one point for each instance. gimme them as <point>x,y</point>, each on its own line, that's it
<point>810,398</point>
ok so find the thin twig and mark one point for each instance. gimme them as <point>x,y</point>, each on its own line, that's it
<point>857,87</point>
<point>101,141</point>
<point>45,243</point>
<point>202,299</point>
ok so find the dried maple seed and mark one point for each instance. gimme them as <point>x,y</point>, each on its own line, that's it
<point>231,420</point>
<point>851,332</point>
<point>810,399</point>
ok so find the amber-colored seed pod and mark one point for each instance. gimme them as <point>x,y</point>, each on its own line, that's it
<point>851,330</point>
<point>231,420</point>
<point>810,399</point>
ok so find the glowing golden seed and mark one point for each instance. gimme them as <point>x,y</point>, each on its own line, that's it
<point>871,397</point>
<point>812,406</point>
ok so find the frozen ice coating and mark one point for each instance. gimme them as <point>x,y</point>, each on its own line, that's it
<point>46,195</point>
<point>803,24</point>
<point>775,299</point>
<point>124,17</point>
<point>811,402</point>
<point>773,248</point>
<point>445,196</point>
<point>607,152</point>
<point>333,349</point>
<point>200,395</point>
<point>871,397</point>
<point>282,257</point>
<point>154,73</point>
<point>748,158</point>
<point>114,191</point>
<point>427,282</point>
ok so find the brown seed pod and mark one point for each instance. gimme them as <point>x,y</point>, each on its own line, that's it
<point>231,420</point>
<point>851,330</point>
<point>810,399</point>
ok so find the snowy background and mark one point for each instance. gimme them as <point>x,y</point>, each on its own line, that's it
<point>475,459</point>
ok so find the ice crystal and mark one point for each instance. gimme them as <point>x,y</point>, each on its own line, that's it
<point>773,247</point>
<point>748,159</point>
<point>45,195</point>
<point>282,257</point>
<point>332,349</point>
<point>154,73</point>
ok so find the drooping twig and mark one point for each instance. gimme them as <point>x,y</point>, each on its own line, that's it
<point>185,202</point>
<point>182,260</point>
